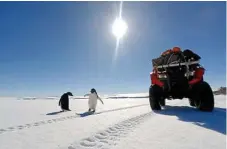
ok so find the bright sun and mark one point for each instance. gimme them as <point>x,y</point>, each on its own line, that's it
<point>119,28</point>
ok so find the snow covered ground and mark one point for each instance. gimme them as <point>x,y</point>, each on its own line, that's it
<point>118,124</point>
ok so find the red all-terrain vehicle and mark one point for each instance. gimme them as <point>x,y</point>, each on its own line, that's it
<point>176,75</point>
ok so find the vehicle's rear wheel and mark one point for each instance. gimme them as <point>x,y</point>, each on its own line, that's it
<point>191,102</point>
<point>162,102</point>
<point>203,97</point>
<point>155,97</point>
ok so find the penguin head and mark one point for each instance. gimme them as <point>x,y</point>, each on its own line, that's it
<point>93,90</point>
<point>69,94</point>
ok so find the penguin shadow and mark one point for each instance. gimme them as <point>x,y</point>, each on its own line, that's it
<point>55,113</point>
<point>215,120</point>
<point>107,111</point>
<point>84,114</point>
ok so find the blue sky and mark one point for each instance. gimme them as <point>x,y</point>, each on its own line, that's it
<point>48,48</point>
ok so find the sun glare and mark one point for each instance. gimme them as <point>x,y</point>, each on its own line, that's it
<point>119,28</point>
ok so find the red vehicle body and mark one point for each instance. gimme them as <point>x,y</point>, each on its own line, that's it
<point>180,81</point>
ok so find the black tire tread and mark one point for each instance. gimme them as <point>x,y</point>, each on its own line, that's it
<point>203,96</point>
<point>154,97</point>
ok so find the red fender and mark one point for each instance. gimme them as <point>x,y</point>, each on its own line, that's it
<point>199,72</point>
<point>155,80</point>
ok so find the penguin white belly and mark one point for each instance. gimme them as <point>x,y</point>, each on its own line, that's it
<point>92,102</point>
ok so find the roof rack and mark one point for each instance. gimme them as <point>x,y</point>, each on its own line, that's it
<point>179,64</point>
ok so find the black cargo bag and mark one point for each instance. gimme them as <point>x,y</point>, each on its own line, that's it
<point>189,55</point>
<point>171,58</point>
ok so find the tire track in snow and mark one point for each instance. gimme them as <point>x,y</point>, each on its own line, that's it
<point>43,122</point>
<point>40,123</point>
<point>109,137</point>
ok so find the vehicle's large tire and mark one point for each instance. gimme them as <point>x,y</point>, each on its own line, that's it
<point>191,102</point>
<point>162,102</point>
<point>203,97</point>
<point>155,97</point>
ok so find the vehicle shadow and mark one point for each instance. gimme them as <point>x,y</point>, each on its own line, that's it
<point>215,120</point>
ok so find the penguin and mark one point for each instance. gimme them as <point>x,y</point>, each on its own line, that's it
<point>64,101</point>
<point>92,102</point>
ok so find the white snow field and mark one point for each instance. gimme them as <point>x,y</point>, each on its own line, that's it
<point>118,124</point>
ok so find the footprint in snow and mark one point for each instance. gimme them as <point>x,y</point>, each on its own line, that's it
<point>20,127</point>
<point>2,131</point>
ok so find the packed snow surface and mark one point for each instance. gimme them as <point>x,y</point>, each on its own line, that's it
<point>118,124</point>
